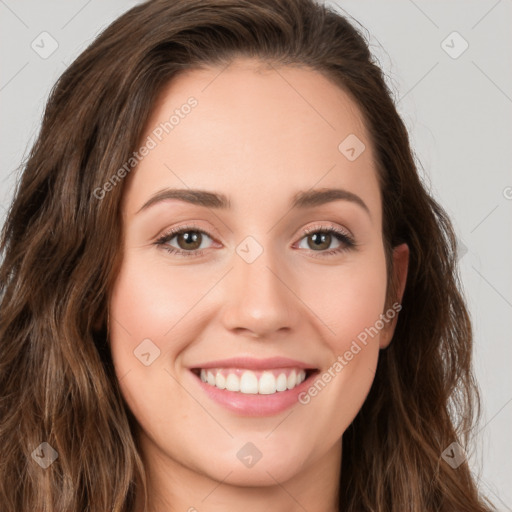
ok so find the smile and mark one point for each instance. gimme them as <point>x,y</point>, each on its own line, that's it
<point>253,387</point>
<point>251,382</point>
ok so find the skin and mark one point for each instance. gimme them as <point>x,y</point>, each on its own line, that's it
<point>258,135</point>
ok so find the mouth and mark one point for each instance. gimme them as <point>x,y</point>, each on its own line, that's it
<point>254,382</point>
<point>247,386</point>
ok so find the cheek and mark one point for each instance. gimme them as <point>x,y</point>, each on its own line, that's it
<point>148,326</point>
<point>347,299</point>
<point>142,296</point>
<point>148,308</point>
<point>150,302</point>
<point>350,306</point>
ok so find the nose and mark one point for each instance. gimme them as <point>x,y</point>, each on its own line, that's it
<point>260,301</point>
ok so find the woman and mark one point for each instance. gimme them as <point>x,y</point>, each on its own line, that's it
<point>224,283</point>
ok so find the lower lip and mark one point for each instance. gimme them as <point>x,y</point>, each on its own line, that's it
<point>254,404</point>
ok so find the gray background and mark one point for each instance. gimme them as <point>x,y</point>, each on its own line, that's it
<point>458,112</point>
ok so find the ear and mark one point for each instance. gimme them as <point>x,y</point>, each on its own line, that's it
<point>399,278</point>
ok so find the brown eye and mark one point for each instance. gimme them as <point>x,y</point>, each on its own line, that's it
<point>189,240</point>
<point>184,242</point>
<point>319,240</point>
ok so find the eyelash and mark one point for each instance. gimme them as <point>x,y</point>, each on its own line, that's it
<point>347,241</point>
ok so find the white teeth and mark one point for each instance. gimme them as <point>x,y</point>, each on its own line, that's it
<point>233,382</point>
<point>220,381</point>
<point>281,382</point>
<point>265,383</point>
<point>292,380</point>
<point>249,383</point>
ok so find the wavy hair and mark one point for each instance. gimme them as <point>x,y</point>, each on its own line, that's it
<point>61,255</point>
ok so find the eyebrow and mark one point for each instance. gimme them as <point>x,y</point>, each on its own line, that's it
<point>301,200</point>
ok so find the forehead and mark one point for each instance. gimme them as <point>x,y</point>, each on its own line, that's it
<point>254,129</point>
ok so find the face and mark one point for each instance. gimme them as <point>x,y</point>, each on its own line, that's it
<point>265,285</point>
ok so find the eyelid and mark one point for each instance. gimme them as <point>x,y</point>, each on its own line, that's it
<point>166,236</point>
<point>347,238</point>
<point>317,227</point>
<point>190,225</point>
<point>303,232</point>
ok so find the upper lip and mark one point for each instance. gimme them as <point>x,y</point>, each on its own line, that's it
<point>251,363</point>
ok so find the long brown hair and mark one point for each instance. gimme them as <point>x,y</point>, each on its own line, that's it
<point>61,246</point>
